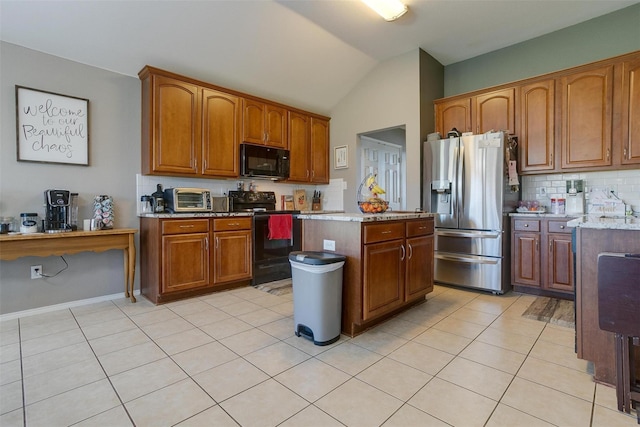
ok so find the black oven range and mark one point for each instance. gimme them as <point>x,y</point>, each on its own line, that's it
<point>273,239</point>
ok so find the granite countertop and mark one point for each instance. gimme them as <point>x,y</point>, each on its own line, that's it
<point>195,215</point>
<point>606,222</point>
<point>359,217</point>
<point>534,214</point>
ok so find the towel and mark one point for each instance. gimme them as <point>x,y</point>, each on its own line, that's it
<point>280,226</point>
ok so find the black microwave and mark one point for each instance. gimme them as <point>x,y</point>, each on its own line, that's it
<point>260,161</point>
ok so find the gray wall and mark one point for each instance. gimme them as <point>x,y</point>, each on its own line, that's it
<point>603,37</point>
<point>114,138</point>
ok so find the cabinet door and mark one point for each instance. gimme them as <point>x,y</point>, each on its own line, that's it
<point>526,259</point>
<point>453,114</point>
<point>586,116</point>
<point>494,111</point>
<point>276,126</point>
<point>319,151</point>
<point>560,263</point>
<point>383,282</point>
<point>537,128</point>
<point>185,262</point>
<point>299,146</point>
<point>221,118</point>
<point>253,121</point>
<point>419,273</point>
<point>176,126</point>
<point>232,256</point>
<point>631,112</point>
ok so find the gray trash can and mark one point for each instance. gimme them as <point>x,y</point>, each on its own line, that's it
<point>317,295</point>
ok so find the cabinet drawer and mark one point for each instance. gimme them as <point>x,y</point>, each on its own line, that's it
<point>179,226</point>
<point>382,232</point>
<point>558,227</point>
<point>526,224</point>
<point>419,228</point>
<point>232,223</point>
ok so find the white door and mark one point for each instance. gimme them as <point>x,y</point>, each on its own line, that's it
<point>383,160</point>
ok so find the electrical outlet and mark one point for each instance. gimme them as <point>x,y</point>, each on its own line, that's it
<point>329,245</point>
<point>36,272</point>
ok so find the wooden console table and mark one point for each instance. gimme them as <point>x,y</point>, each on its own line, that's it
<point>72,242</point>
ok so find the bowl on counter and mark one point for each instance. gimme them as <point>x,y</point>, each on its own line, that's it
<point>373,205</point>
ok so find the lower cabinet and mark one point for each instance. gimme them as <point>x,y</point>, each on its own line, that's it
<point>542,256</point>
<point>185,257</point>
<point>389,265</point>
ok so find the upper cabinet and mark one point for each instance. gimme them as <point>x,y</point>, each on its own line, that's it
<point>583,119</point>
<point>536,134</point>
<point>309,148</point>
<point>630,112</point>
<point>194,129</point>
<point>494,111</point>
<point>170,126</point>
<point>478,114</point>
<point>264,124</point>
<point>586,118</point>
<point>222,119</point>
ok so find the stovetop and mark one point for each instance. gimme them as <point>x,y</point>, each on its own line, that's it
<point>258,202</point>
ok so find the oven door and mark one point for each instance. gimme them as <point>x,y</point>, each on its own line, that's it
<point>271,256</point>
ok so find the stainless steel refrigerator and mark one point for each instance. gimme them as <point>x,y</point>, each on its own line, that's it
<point>465,185</point>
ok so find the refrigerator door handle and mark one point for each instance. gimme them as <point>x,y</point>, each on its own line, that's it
<point>460,179</point>
<point>470,233</point>
<point>471,259</point>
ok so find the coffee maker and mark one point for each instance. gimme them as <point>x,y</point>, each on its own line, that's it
<point>61,211</point>
<point>575,197</point>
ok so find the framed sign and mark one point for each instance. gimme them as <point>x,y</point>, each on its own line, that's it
<point>340,157</point>
<point>52,128</point>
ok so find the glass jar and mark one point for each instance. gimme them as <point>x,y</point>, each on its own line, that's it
<point>28,223</point>
<point>146,205</point>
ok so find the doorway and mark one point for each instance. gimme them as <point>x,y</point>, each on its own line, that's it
<point>383,153</point>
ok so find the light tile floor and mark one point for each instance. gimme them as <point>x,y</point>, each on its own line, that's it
<point>463,358</point>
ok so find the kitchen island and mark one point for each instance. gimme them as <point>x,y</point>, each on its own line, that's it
<point>389,265</point>
<point>596,234</point>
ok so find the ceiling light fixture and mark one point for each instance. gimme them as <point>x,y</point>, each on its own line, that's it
<point>390,10</point>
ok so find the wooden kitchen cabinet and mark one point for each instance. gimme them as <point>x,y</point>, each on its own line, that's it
<point>188,129</point>
<point>190,256</point>
<point>536,132</point>
<point>221,127</point>
<point>264,124</point>
<point>232,253</point>
<point>389,265</point>
<point>630,112</point>
<point>542,256</point>
<point>586,115</point>
<point>309,148</point>
<point>478,114</point>
<point>170,126</point>
<point>453,113</point>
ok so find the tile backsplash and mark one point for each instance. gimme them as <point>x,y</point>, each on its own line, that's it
<point>332,194</point>
<point>623,183</point>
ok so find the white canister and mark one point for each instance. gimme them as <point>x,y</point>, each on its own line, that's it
<point>28,223</point>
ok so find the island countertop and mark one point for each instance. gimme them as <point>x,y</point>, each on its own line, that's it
<point>359,217</point>
<point>606,222</point>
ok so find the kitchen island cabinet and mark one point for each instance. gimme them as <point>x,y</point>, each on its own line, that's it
<point>183,256</point>
<point>389,264</point>
<point>595,235</point>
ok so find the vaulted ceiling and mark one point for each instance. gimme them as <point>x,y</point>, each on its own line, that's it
<point>306,53</point>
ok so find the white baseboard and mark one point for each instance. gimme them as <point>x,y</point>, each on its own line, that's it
<point>50,308</point>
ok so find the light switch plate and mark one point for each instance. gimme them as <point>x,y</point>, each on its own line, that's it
<point>329,245</point>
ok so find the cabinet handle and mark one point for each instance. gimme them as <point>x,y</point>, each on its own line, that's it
<point>410,250</point>
<point>385,232</point>
<point>187,226</point>
<point>625,153</point>
<point>422,228</point>
<point>562,227</point>
<point>526,225</point>
<point>550,247</point>
<point>608,152</point>
<point>550,159</point>
<point>404,252</point>
<point>307,173</point>
<point>217,240</point>
<point>537,245</point>
<point>206,244</point>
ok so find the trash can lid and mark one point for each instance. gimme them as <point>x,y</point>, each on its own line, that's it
<point>315,258</point>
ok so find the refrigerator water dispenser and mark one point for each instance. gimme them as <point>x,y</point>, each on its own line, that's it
<point>441,196</point>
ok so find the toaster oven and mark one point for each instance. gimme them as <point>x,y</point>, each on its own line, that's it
<point>183,199</point>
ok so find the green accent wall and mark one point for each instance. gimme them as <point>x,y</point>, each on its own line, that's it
<point>609,35</point>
